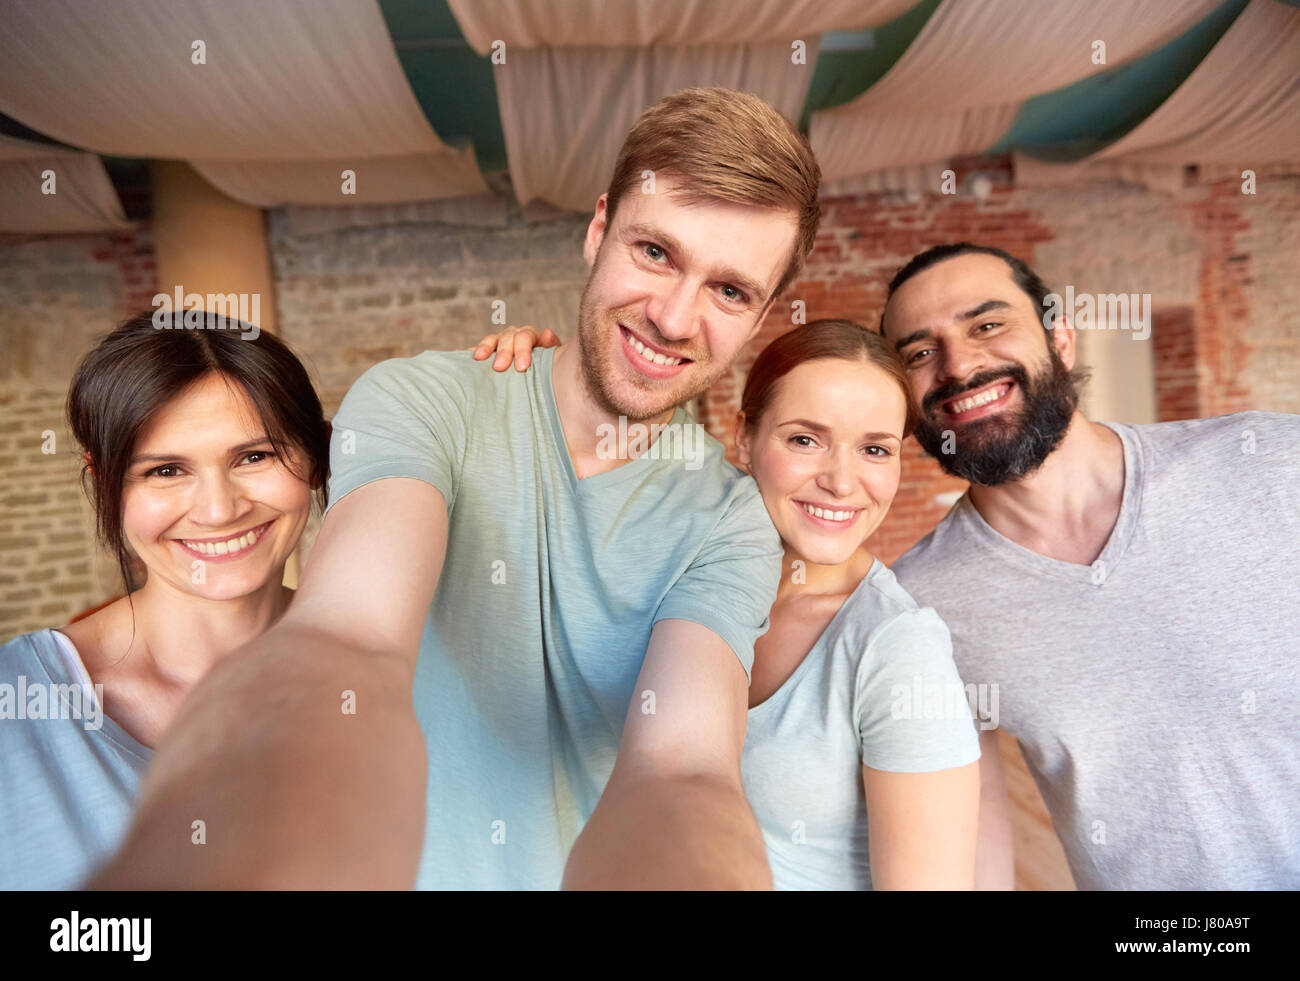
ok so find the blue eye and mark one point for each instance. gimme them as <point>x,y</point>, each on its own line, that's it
<point>649,247</point>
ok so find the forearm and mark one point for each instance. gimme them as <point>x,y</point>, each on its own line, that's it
<point>670,833</point>
<point>994,851</point>
<point>297,784</point>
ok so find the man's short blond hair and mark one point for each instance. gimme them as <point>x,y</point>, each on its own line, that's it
<point>725,145</point>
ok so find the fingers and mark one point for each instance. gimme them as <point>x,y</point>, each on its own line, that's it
<point>486,346</point>
<point>525,341</point>
<point>514,344</point>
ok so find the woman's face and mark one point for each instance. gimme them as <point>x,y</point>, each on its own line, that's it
<point>830,439</point>
<point>207,504</point>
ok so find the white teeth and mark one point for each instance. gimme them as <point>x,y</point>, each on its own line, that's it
<point>965,405</point>
<point>827,514</point>
<point>228,547</point>
<point>653,356</point>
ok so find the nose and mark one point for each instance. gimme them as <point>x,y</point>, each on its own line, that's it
<point>837,475</point>
<point>960,360</point>
<point>218,501</point>
<point>672,311</point>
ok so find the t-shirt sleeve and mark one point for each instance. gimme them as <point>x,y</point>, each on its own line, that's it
<point>909,702</point>
<point>731,584</point>
<point>405,417</point>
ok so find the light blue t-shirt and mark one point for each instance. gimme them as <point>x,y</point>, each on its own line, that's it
<point>68,774</point>
<point>878,688</point>
<point>547,597</point>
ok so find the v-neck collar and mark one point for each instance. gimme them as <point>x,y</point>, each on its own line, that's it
<point>1104,566</point>
<point>546,379</point>
<point>817,652</point>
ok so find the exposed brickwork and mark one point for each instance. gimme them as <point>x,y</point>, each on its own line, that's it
<point>57,295</point>
<point>1220,266</point>
<point>1177,367</point>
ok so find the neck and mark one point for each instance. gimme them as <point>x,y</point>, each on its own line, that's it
<point>1080,481</point>
<point>183,635</point>
<point>822,580</point>
<point>581,416</point>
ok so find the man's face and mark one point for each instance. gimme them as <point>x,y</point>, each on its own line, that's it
<point>996,394</point>
<point>676,290</point>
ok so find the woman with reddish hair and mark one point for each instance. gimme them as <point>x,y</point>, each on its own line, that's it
<point>861,757</point>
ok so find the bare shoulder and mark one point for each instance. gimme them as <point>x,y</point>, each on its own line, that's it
<point>103,637</point>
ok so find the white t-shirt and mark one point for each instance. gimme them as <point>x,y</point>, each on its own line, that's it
<point>878,688</point>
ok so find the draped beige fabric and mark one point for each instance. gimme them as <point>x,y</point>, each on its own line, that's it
<point>1238,110</point>
<point>315,81</point>
<point>83,198</point>
<point>959,85</point>
<point>620,23</point>
<point>565,111</point>
<point>376,180</point>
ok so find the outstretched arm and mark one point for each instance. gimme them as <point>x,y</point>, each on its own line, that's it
<point>674,814</point>
<point>300,753</point>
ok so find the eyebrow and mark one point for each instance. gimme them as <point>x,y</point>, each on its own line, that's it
<point>975,311</point>
<point>819,428</point>
<point>640,230</point>
<point>181,458</point>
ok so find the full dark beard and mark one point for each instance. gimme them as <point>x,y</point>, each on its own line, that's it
<point>997,449</point>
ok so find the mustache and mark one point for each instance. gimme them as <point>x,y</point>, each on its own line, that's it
<point>951,390</point>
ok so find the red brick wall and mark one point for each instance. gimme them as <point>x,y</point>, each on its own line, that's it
<point>1203,332</point>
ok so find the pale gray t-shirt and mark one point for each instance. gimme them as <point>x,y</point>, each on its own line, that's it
<point>878,688</point>
<point>1154,693</point>
<point>68,774</point>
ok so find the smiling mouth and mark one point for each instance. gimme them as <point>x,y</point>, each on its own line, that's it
<point>649,353</point>
<point>839,516</point>
<point>967,403</point>
<point>232,545</point>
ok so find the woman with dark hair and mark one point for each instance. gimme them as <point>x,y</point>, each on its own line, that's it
<point>861,757</point>
<point>203,452</point>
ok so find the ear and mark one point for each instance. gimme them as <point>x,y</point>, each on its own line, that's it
<point>85,458</point>
<point>595,231</point>
<point>1063,340</point>
<point>742,442</point>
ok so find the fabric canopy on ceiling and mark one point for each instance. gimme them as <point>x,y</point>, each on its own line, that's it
<point>286,92</point>
<point>565,112</point>
<point>83,200</point>
<point>1221,118</point>
<point>600,23</point>
<point>962,81</point>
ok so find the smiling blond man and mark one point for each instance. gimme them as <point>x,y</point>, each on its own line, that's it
<point>573,631</point>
